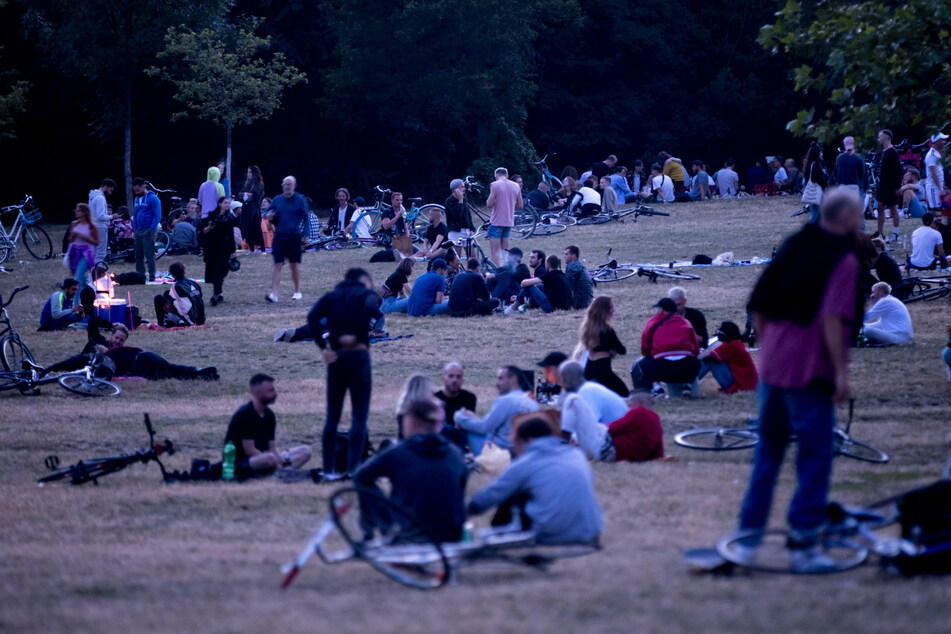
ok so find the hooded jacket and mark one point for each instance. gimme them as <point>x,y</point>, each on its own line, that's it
<point>98,207</point>
<point>428,475</point>
<point>210,191</point>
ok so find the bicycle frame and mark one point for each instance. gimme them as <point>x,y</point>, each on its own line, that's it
<point>10,238</point>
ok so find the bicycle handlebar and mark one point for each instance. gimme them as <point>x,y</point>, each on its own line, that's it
<point>12,295</point>
<point>159,190</point>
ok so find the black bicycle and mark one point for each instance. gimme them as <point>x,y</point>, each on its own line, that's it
<point>13,352</point>
<point>923,289</point>
<point>91,470</point>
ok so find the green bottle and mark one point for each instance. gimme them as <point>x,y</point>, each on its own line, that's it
<point>227,463</point>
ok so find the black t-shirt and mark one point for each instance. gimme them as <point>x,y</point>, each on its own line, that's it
<point>610,343</point>
<point>437,230</point>
<point>887,270</point>
<point>395,282</point>
<point>457,217</point>
<point>467,288</point>
<point>538,199</point>
<point>699,323</point>
<point>399,227</point>
<point>452,404</point>
<point>508,282</point>
<point>557,289</point>
<point>247,425</point>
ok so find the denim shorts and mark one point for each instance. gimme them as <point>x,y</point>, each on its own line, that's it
<point>499,232</point>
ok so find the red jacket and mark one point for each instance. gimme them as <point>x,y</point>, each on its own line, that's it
<point>736,357</point>
<point>673,336</point>
<point>637,436</point>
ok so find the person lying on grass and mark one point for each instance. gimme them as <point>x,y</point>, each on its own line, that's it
<point>551,485</point>
<point>252,431</point>
<point>130,361</point>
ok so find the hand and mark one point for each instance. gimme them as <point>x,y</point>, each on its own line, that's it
<point>77,310</point>
<point>842,392</point>
<point>329,355</point>
<point>101,349</point>
<point>466,412</point>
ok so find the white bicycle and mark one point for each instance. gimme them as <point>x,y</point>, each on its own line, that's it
<point>24,228</point>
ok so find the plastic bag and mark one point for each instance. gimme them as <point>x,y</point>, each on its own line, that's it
<point>493,460</point>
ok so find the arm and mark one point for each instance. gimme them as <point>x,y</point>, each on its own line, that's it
<point>532,281</point>
<point>490,203</point>
<point>57,309</point>
<point>249,449</point>
<point>156,205</point>
<point>833,336</point>
<point>440,296</point>
<point>493,420</point>
<point>519,203</point>
<point>504,487</point>
<point>704,191</point>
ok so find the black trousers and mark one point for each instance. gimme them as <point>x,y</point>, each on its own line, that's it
<point>351,371</point>
<point>146,364</point>
<point>648,370</point>
<point>600,372</point>
<point>479,308</point>
<point>216,270</point>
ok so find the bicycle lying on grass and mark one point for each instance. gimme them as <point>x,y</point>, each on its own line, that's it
<point>83,382</point>
<point>734,438</point>
<point>366,526</point>
<point>13,352</point>
<point>91,470</point>
<point>923,289</point>
<point>620,215</point>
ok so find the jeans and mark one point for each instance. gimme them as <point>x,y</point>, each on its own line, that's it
<point>537,295</point>
<point>394,305</point>
<point>476,442</point>
<point>103,242</point>
<point>479,308</point>
<point>439,309</point>
<point>813,214</point>
<point>351,371</point>
<point>646,370</point>
<point>145,251</point>
<point>721,372</point>
<point>808,413</point>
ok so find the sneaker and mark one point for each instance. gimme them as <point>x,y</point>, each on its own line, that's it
<point>209,374</point>
<point>214,300</point>
<point>811,560</point>
<point>333,477</point>
<point>297,296</point>
<point>378,334</point>
<point>744,555</point>
<point>271,297</point>
<point>221,299</point>
<point>280,335</point>
<point>658,391</point>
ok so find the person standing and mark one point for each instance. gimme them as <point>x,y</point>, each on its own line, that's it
<point>815,173</point>
<point>252,193</point>
<point>217,241</point>
<point>210,191</point>
<point>457,217</point>
<point>934,171</point>
<point>83,239</point>
<point>346,314</point>
<point>225,183</point>
<point>289,215</point>
<point>101,216</point>
<point>504,198</point>
<point>888,184</point>
<point>849,169</point>
<point>146,214</point>
<point>804,305</point>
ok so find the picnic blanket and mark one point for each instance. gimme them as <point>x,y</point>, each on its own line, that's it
<point>157,327</point>
<point>680,264</point>
<point>379,339</point>
<point>164,278</point>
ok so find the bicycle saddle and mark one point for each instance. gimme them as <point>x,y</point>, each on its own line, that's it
<point>29,365</point>
<point>415,201</point>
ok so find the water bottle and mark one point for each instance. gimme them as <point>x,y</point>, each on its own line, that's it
<point>862,341</point>
<point>227,462</point>
<point>468,531</point>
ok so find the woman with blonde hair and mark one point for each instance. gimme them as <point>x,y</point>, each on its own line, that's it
<point>598,338</point>
<point>418,387</point>
<point>83,239</point>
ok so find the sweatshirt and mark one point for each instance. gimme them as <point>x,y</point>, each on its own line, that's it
<point>147,212</point>
<point>674,336</point>
<point>210,191</point>
<point>97,205</point>
<point>497,424</point>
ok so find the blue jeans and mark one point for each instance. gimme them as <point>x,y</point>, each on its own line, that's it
<point>393,305</point>
<point>537,295</point>
<point>808,413</point>
<point>915,209</point>
<point>721,372</point>
<point>440,309</point>
<point>476,442</point>
<point>813,213</point>
<point>499,232</point>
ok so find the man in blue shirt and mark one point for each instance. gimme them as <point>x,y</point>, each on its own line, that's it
<point>58,311</point>
<point>428,292</point>
<point>699,185</point>
<point>289,215</point>
<point>619,183</point>
<point>146,215</point>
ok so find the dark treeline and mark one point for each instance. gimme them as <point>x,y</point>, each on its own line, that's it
<point>411,96</point>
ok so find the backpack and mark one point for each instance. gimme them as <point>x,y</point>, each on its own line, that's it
<point>187,299</point>
<point>342,452</point>
<point>926,521</point>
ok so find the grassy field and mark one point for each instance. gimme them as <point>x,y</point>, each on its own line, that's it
<point>134,553</point>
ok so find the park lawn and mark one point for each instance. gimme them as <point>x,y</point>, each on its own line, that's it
<point>134,553</point>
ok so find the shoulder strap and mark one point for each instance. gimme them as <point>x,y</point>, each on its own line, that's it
<point>650,335</point>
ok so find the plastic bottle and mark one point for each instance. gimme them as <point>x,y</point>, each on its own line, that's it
<point>468,531</point>
<point>227,462</point>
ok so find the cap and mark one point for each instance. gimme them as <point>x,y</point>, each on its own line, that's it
<point>667,305</point>
<point>848,143</point>
<point>938,136</point>
<point>456,182</point>
<point>516,252</point>
<point>552,359</point>
<point>438,263</point>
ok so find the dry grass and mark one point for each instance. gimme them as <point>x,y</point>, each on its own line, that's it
<point>135,554</point>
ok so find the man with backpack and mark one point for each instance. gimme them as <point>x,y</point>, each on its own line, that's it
<point>181,305</point>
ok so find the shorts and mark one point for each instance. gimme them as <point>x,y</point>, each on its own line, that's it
<point>888,198</point>
<point>286,247</point>
<point>459,237</point>
<point>499,232</point>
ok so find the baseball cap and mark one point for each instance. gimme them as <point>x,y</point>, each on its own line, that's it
<point>938,136</point>
<point>848,143</point>
<point>552,359</point>
<point>667,305</point>
<point>456,182</point>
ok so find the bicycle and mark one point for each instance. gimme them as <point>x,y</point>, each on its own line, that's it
<point>653,274</point>
<point>13,352</point>
<point>368,527</point>
<point>620,214</point>
<point>176,206</point>
<point>115,253</point>
<point>83,382</point>
<point>918,289</point>
<point>611,271</point>
<point>34,237</point>
<point>525,221</point>
<point>334,242</point>
<point>734,438</point>
<point>368,225</point>
<point>91,470</point>
<point>554,183</point>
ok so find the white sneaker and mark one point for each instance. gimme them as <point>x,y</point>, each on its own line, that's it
<point>297,295</point>
<point>333,477</point>
<point>280,335</point>
<point>271,297</point>
<point>811,560</point>
<point>744,555</point>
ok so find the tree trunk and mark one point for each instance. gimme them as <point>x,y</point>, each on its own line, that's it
<point>127,150</point>
<point>228,162</point>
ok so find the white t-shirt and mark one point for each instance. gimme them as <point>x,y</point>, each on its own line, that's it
<point>666,187</point>
<point>590,196</point>
<point>578,419</point>
<point>780,175</point>
<point>923,242</point>
<point>728,182</point>
<point>933,158</point>
<point>892,317</point>
<point>606,404</point>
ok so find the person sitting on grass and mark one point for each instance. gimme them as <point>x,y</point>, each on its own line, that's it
<point>469,294</point>
<point>604,404</point>
<point>181,305</point>
<point>427,473</point>
<point>670,347</point>
<point>550,291</point>
<point>437,236</point>
<point>506,282</point>
<point>729,362</point>
<point>884,265</point>
<point>428,294</point>
<point>130,361</point>
<point>550,483</point>
<point>252,431</point>
<point>453,268</point>
<point>908,193</point>
<point>59,312</point>
<point>454,398</point>
<point>694,316</point>
<point>887,321</point>
<point>582,289</point>
<point>926,241</point>
<point>497,424</point>
<point>396,289</point>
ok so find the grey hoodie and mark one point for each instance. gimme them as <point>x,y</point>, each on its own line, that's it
<point>97,205</point>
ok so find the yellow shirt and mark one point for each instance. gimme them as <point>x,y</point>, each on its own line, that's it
<point>675,171</point>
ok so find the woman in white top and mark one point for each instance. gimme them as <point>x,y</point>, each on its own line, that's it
<point>587,199</point>
<point>83,240</point>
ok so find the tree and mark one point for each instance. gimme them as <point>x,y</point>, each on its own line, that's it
<point>110,44</point>
<point>12,100</point>
<point>866,65</point>
<point>223,75</point>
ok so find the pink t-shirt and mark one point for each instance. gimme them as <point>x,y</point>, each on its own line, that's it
<point>506,195</point>
<point>792,355</point>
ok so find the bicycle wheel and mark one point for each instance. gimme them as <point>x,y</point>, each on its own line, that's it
<point>92,386</point>
<point>389,539</point>
<point>342,243</point>
<point>845,446</point>
<point>37,242</point>
<point>4,250</point>
<point>563,219</point>
<point>922,291</point>
<point>526,220</point>
<point>772,553</point>
<point>597,219</point>
<point>420,223</point>
<point>718,438</point>
<point>162,242</point>
<point>548,227</point>
<point>13,352</point>
<point>367,226</point>
<point>612,274</point>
